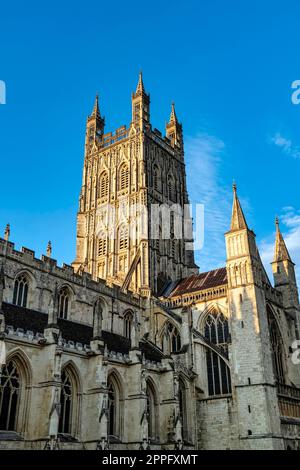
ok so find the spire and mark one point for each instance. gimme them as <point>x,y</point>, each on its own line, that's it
<point>173,117</point>
<point>95,126</point>
<point>140,102</point>
<point>174,129</point>
<point>96,111</point>
<point>281,251</point>
<point>140,89</point>
<point>7,232</point>
<point>238,221</point>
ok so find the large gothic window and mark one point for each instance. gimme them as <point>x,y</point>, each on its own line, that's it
<point>114,412</point>
<point>123,177</point>
<point>277,347</point>
<point>63,303</point>
<point>171,338</point>
<point>103,185</point>
<point>66,403</point>
<point>10,388</point>
<point>151,411</point>
<point>21,291</point>
<point>128,320</point>
<point>218,373</point>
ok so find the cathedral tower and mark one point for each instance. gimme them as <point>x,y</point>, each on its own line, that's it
<point>130,224</point>
<point>253,377</point>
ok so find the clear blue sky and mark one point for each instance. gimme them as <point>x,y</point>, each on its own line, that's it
<point>228,66</point>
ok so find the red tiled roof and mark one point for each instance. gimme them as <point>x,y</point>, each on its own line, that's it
<point>202,281</point>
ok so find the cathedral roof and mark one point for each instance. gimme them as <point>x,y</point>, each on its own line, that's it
<point>197,282</point>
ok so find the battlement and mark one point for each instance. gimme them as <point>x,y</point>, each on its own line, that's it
<point>28,259</point>
<point>112,138</point>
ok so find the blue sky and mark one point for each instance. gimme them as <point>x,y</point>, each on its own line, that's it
<point>227,65</point>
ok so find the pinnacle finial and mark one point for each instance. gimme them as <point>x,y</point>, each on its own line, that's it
<point>140,86</point>
<point>281,251</point>
<point>49,249</point>
<point>7,232</point>
<point>96,112</point>
<point>173,117</point>
<point>238,220</point>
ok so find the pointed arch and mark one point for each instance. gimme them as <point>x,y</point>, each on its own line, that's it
<point>128,323</point>
<point>123,180</point>
<point>24,283</point>
<point>70,400</point>
<point>64,300</point>
<point>15,391</point>
<point>170,337</point>
<point>102,244</point>
<point>23,360</point>
<point>216,333</point>
<point>115,389</point>
<point>76,375</point>
<point>103,185</point>
<point>152,409</point>
<point>123,240</point>
<point>214,308</point>
<point>277,346</point>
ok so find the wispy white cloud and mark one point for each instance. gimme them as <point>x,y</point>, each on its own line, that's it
<point>286,145</point>
<point>290,226</point>
<point>204,158</point>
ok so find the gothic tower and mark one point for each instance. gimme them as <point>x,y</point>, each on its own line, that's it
<point>130,225</point>
<point>253,378</point>
<point>284,272</point>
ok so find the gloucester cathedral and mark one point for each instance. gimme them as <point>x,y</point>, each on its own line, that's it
<point>132,347</point>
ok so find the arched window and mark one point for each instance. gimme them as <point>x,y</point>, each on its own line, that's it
<point>66,403</point>
<point>114,411</point>
<point>103,185</point>
<point>123,238</point>
<point>171,340</point>
<point>63,303</point>
<point>21,291</point>
<point>151,411</point>
<point>156,178</point>
<point>128,320</point>
<point>10,389</point>
<point>277,347</point>
<point>171,188</point>
<point>102,244</point>
<point>218,373</point>
<point>183,408</point>
<point>123,177</point>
